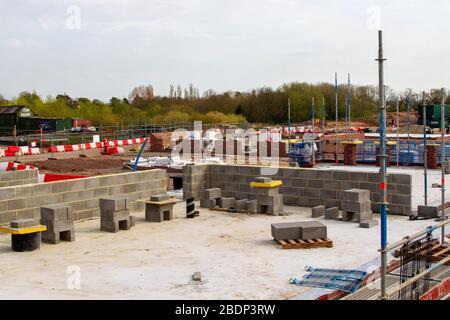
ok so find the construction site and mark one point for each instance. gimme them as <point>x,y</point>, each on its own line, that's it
<point>313,211</point>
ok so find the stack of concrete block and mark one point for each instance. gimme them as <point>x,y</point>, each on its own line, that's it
<point>318,212</point>
<point>269,200</point>
<point>155,212</point>
<point>210,198</point>
<point>115,215</point>
<point>299,230</point>
<point>59,222</point>
<point>356,205</point>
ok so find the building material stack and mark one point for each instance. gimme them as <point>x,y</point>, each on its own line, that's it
<point>299,230</point>
<point>211,198</point>
<point>159,208</point>
<point>59,222</point>
<point>115,215</point>
<point>356,206</point>
<point>268,197</point>
<point>25,234</point>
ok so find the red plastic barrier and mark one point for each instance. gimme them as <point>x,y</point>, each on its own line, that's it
<point>60,177</point>
<point>68,148</point>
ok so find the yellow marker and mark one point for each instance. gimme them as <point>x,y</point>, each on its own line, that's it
<point>388,143</point>
<point>272,184</point>
<point>29,230</point>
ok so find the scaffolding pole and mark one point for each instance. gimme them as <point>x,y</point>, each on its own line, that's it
<point>312,136</point>
<point>323,114</point>
<point>425,151</point>
<point>336,113</point>
<point>348,109</point>
<point>383,183</point>
<point>443,217</point>
<point>398,136</point>
<point>289,123</point>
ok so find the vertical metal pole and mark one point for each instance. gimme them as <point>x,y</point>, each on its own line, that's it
<point>383,184</point>
<point>323,114</point>
<point>348,109</point>
<point>443,217</point>
<point>289,123</point>
<point>425,151</point>
<point>398,137</point>
<point>313,133</point>
<point>408,121</point>
<point>336,113</point>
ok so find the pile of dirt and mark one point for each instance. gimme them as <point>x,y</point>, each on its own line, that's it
<point>86,166</point>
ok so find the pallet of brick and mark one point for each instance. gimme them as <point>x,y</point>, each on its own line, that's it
<point>115,215</point>
<point>356,205</point>
<point>59,222</point>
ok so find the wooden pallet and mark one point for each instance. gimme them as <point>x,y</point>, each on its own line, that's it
<point>305,244</point>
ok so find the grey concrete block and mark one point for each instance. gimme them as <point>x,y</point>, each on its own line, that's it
<point>367,224</point>
<point>227,203</point>
<point>241,205</point>
<point>197,276</point>
<point>16,204</point>
<point>251,206</point>
<point>263,180</point>
<point>312,230</point>
<point>358,217</point>
<point>56,237</point>
<point>57,212</point>
<point>286,231</point>
<point>109,215</point>
<point>109,226</point>
<point>24,223</point>
<point>318,211</point>
<point>205,203</point>
<point>356,195</point>
<point>428,211</point>
<point>113,203</point>
<point>401,199</point>
<point>332,213</point>
<point>212,193</point>
<point>356,207</point>
<point>159,197</point>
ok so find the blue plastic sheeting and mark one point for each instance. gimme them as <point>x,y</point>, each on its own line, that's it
<point>344,280</point>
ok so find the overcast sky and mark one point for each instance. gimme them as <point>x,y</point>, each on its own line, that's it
<point>103,48</point>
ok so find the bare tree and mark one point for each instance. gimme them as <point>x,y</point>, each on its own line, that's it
<point>142,93</point>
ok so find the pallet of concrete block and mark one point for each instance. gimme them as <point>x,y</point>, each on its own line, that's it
<point>357,207</point>
<point>115,215</point>
<point>301,235</point>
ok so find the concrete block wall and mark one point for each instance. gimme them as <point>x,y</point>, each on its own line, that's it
<point>309,187</point>
<point>17,178</point>
<point>21,202</point>
<point>195,180</point>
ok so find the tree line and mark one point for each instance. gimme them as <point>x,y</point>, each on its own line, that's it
<point>261,105</point>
